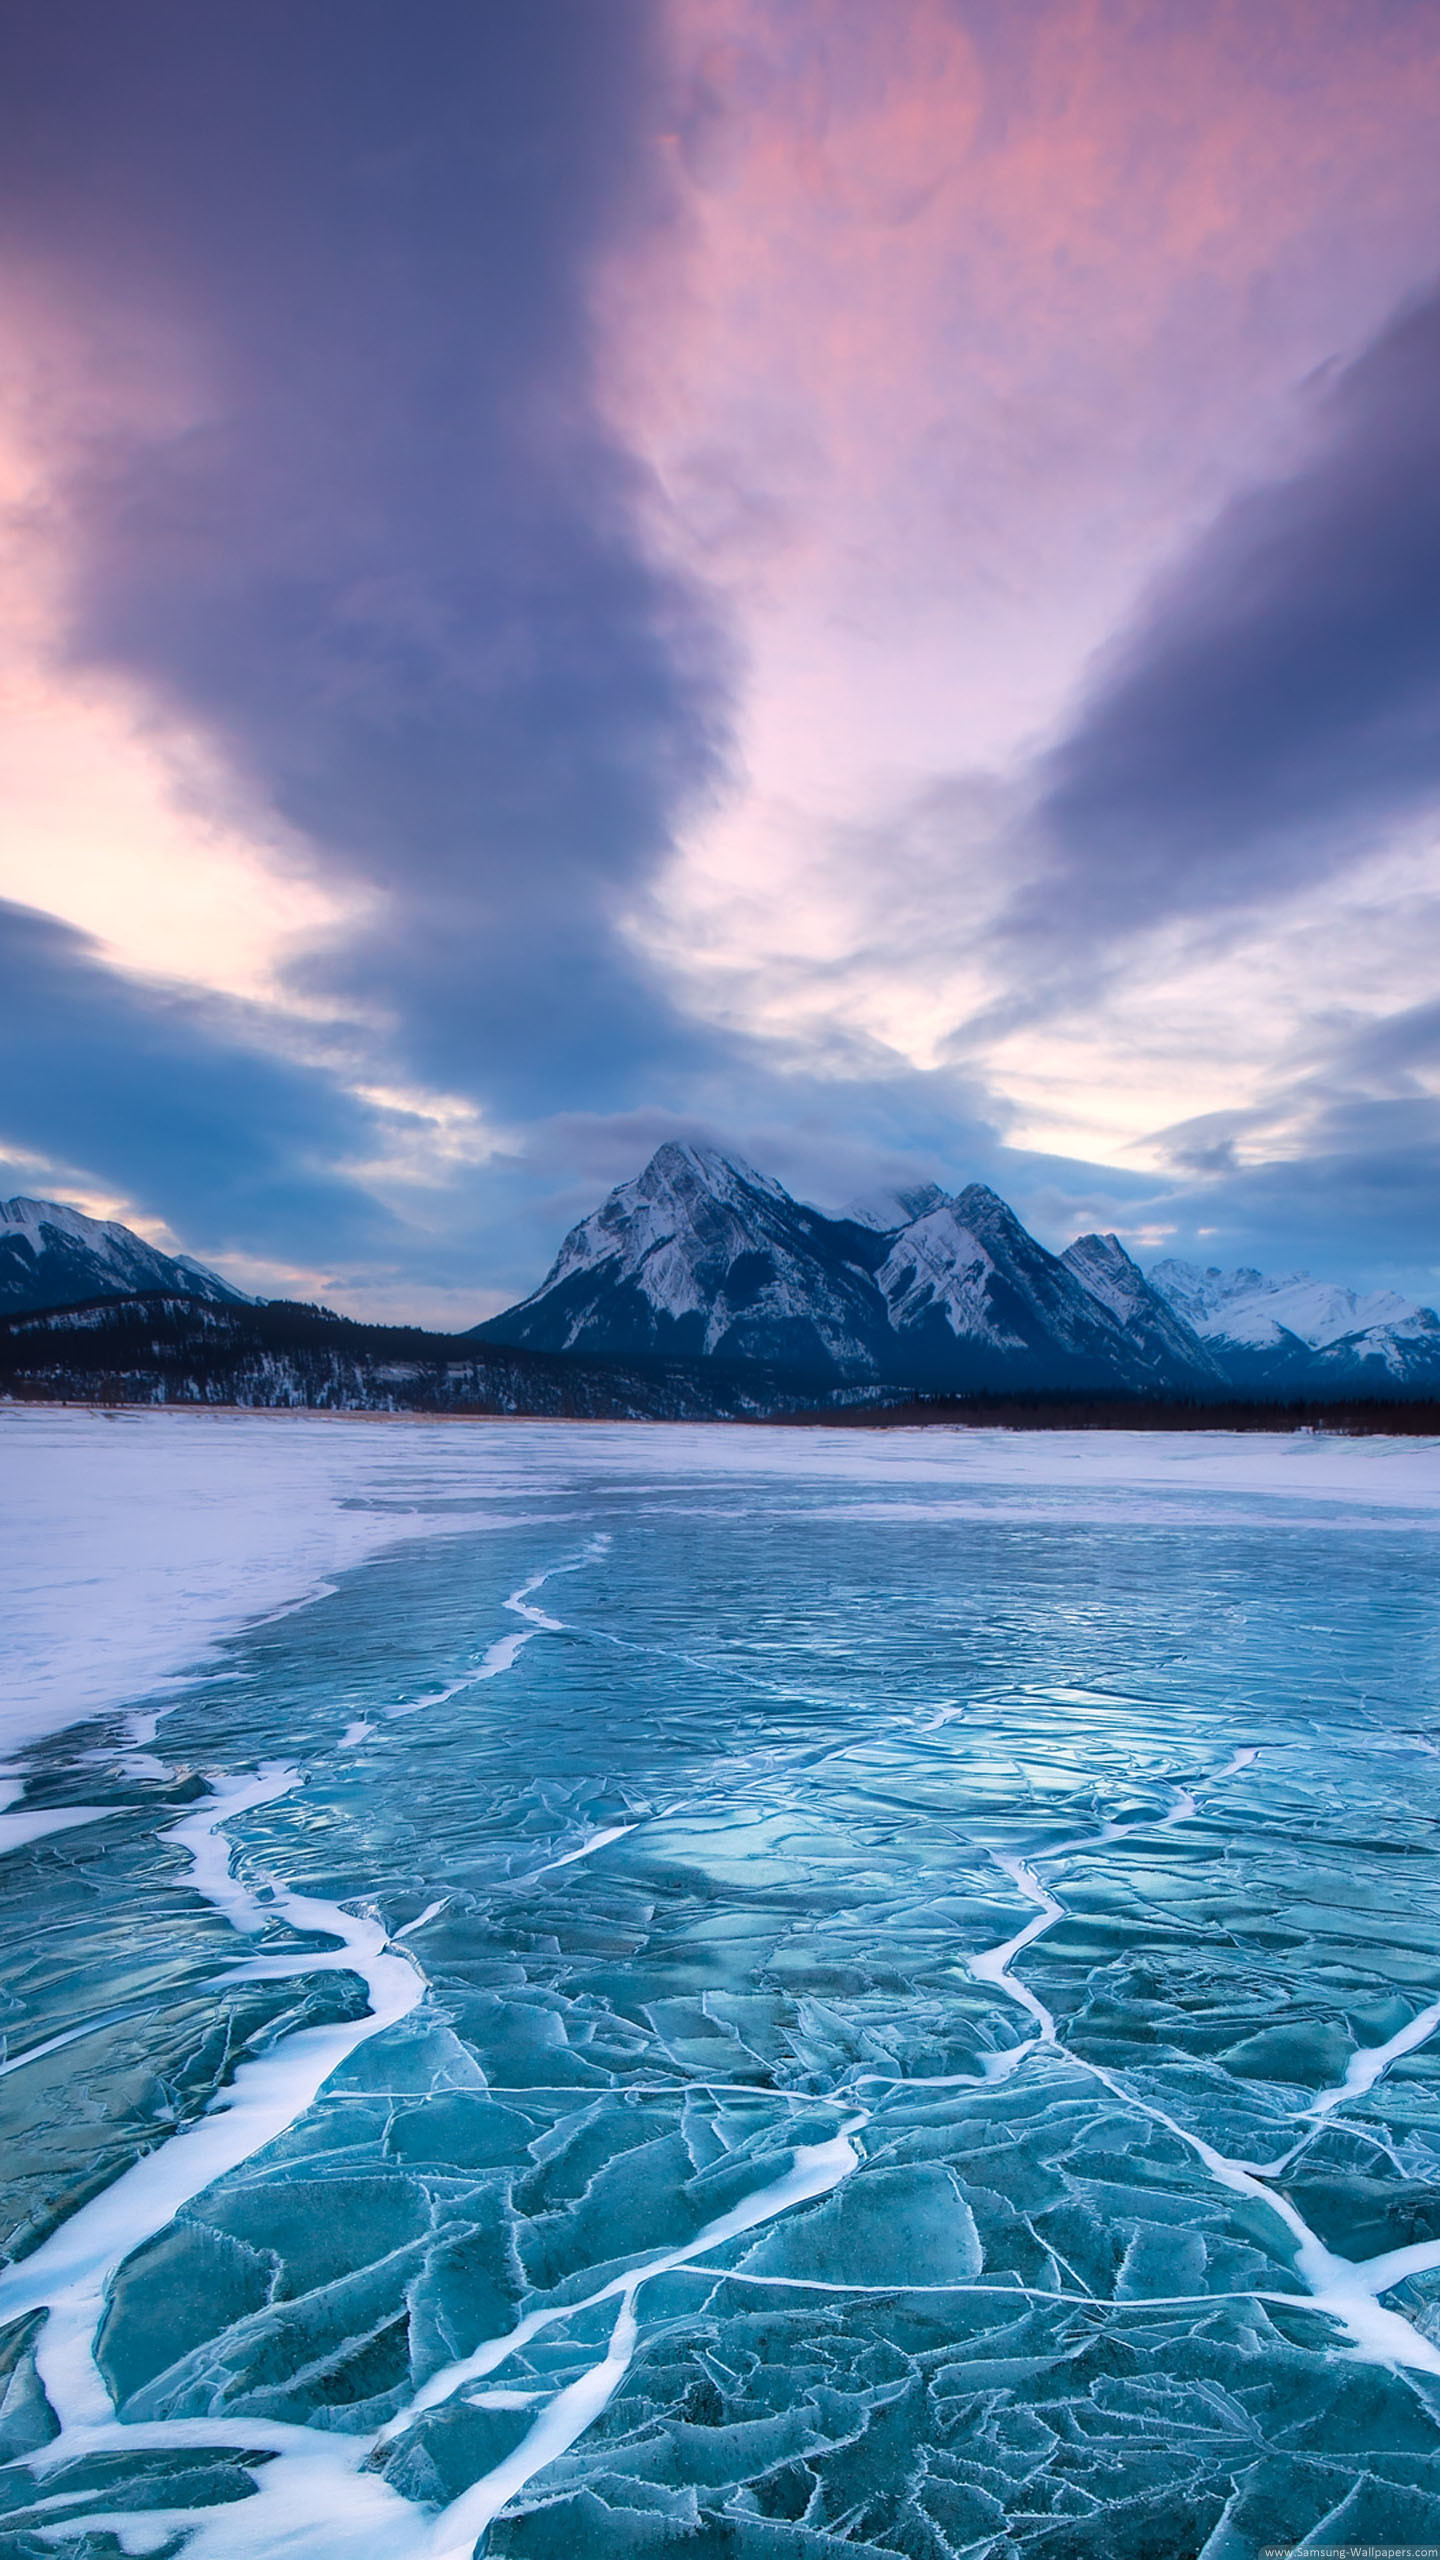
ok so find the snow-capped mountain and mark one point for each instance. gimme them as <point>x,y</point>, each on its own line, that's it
<point>1382,1357</point>
<point>703,1254</point>
<point>51,1256</point>
<point>1243,1306</point>
<point>1302,1331</point>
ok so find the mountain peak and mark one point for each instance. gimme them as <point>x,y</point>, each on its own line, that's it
<point>52,1255</point>
<point>1102,1253</point>
<point>683,1165</point>
<point>703,1254</point>
<point>1158,1329</point>
<point>984,1213</point>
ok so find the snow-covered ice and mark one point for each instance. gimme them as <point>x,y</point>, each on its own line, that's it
<point>129,1541</point>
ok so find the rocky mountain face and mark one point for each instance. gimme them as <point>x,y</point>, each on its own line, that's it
<point>52,1256</point>
<point>1157,1331</point>
<point>973,1300</point>
<point>704,1255</point>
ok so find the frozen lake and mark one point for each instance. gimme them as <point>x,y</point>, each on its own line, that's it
<point>600,1990</point>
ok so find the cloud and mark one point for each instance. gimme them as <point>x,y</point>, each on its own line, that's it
<point>1397,1049</point>
<point>172,1101</point>
<point>400,396</point>
<point>1359,1203</point>
<point>1276,705</point>
<point>381,549</point>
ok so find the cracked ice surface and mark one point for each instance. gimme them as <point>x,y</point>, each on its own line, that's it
<point>730,1992</point>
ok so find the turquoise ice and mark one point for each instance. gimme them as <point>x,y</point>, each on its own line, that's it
<point>745,1993</point>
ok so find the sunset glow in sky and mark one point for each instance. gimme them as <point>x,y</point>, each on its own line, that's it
<point>859,581</point>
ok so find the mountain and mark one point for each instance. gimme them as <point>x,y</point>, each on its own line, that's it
<point>1158,1331</point>
<point>703,1255</point>
<point>1307,1335</point>
<point>52,1256</point>
<point>1244,1307</point>
<point>1380,1358</point>
<point>973,1300</point>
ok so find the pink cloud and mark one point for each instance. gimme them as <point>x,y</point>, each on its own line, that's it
<point>1008,303</point>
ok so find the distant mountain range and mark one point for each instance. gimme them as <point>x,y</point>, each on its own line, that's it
<point>704,1257</point>
<point>704,1287</point>
<point>1268,1333</point>
<point>56,1257</point>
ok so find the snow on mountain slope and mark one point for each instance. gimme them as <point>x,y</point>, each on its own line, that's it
<point>704,1254</point>
<point>939,1267</point>
<point>888,1211</point>
<point>973,1297</point>
<point>53,1256</point>
<point>1321,1313</point>
<point>1200,1295</point>
<point>1158,1333</point>
<point>1383,1356</point>
<point>1246,1307</point>
<point>1304,1332</point>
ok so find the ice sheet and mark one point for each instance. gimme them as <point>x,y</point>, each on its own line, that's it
<point>896,2010</point>
<point>131,1541</point>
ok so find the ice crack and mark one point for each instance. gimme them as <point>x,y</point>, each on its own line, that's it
<point>1346,2289</point>
<point>67,2275</point>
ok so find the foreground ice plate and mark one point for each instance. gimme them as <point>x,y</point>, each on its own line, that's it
<point>737,1992</point>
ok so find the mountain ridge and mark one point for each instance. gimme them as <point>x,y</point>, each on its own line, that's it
<point>704,1261</point>
<point>1275,1332</point>
<point>703,1256</point>
<point>55,1256</point>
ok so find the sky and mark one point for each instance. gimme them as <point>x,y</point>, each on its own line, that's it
<point>859,583</point>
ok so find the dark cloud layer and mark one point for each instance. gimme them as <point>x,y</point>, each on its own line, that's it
<point>1278,701</point>
<point>172,1100</point>
<point>1358,1201</point>
<point>396,567</point>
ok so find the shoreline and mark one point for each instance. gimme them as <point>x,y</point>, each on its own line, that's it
<point>1362,1421</point>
